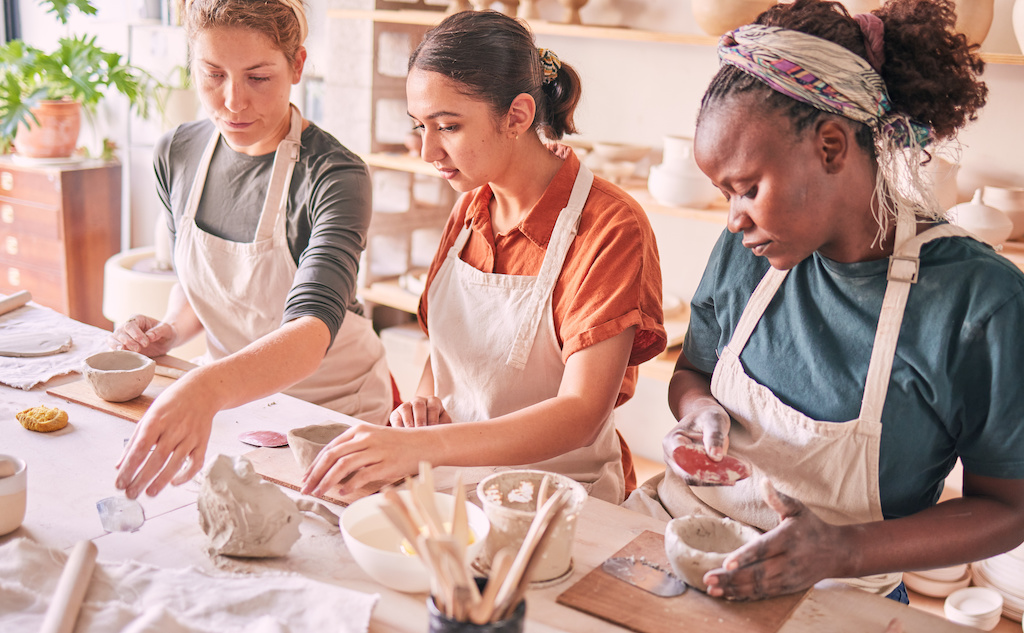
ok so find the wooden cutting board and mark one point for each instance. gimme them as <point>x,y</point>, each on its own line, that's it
<point>278,465</point>
<point>619,602</point>
<point>81,393</point>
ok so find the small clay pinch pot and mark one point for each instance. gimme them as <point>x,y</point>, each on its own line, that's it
<point>306,442</point>
<point>697,544</point>
<point>118,375</point>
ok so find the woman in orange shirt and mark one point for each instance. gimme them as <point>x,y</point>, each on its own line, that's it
<point>545,292</point>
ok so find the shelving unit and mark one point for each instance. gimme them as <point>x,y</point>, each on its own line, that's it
<point>430,18</point>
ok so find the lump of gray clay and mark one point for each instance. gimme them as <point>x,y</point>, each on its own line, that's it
<point>242,515</point>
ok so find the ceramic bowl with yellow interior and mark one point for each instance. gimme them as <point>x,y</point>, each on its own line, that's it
<point>379,549</point>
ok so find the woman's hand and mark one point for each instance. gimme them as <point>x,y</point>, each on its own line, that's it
<point>799,552</point>
<point>420,411</point>
<point>169,443</point>
<point>144,335</point>
<point>708,425</point>
<point>364,454</point>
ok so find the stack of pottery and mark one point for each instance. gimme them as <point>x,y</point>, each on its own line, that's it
<point>1005,574</point>
<point>677,181</point>
<point>988,224</point>
<point>938,583</point>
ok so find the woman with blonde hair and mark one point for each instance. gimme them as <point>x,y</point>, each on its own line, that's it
<point>268,215</point>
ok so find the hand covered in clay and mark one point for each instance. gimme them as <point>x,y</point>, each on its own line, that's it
<point>707,426</point>
<point>144,335</point>
<point>420,412</point>
<point>169,443</point>
<point>364,454</point>
<point>793,556</point>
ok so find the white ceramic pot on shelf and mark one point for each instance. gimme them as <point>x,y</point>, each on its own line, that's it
<point>1009,200</point>
<point>678,181</point>
<point>988,224</point>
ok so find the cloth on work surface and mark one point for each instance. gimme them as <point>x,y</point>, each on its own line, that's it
<point>134,597</point>
<point>25,373</point>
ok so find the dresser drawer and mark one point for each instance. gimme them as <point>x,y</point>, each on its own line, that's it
<point>29,250</point>
<point>47,287</point>
<point>18,218</point>
<point>39,186</point>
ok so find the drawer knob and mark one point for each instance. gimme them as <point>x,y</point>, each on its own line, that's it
<point>6,214</point>
<point>13,276</point>
<point>11,245</point>
<point>6,180</point>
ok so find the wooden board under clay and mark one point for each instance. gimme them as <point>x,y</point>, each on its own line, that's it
<point>133,410</point>
<point>278,465</point>
<point>611,599</point>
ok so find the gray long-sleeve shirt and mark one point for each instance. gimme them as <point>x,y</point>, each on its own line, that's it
<point>327,216</point>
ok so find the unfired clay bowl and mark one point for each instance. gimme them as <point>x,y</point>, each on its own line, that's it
<point>509,498</point>
<point>307,441</point>
<point>13,480</point>
<point>697,544</point>
<point>119,375</point>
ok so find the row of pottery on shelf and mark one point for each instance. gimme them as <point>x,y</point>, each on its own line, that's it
<point>677,181</point>
<point>526,9</point>
<point>994,214</point>
<point>974,17</point>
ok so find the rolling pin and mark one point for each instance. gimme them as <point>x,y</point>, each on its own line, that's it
<point>74,580</point>
<point>15,301</point>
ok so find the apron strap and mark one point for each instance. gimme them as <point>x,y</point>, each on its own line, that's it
<point>903,271</point>
<point>276,203</point>
<point>195,194</point>
<point>561,238</point>
<point>754,310</point>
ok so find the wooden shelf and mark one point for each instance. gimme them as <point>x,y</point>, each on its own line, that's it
<point>622,33</point>
<point>389,293</point>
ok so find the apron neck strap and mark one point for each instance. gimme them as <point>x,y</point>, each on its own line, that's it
<point>276,203</point>
<point>562,236</point>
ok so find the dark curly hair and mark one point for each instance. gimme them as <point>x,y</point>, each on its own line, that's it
<point>493,57</point>
<point>930,70</point>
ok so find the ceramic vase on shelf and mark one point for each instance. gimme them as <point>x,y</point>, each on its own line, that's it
<point>528,10</point>
<point>974,19</point>
<point>716,17</point>
<point>677,181</point>
<point>572,11</point>
<point>1018,23</point>
<point>988,224</point>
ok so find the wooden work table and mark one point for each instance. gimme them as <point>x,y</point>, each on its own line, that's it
<point>68,471</point>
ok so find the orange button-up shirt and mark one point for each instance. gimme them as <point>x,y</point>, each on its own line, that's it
<point>611,279</point>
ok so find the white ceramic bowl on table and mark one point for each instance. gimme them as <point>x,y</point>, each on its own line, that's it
<point>979,607</point>
<point>376,545</point>
<point>118,375</point>
<point>697,544</point>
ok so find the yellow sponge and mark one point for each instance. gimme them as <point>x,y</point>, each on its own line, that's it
<point>43,419</point>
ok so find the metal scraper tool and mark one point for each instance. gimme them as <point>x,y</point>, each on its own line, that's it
<point>645,575</point>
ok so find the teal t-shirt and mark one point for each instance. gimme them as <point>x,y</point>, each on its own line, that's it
<point>956,387</point>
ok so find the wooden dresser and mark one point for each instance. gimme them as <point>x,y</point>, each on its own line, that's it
<point>58,226</point>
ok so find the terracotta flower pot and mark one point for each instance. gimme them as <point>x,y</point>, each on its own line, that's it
<point>716,17</point>
<point>56,136</point>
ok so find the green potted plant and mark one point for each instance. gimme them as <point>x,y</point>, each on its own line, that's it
<point>42,93</point>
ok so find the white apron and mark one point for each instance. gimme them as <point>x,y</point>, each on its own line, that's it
<point>493,349</point>
<point>830,467</point>
<point>238,291</point>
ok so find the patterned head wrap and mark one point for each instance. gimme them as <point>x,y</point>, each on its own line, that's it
<point>834,79</point>
<point>549,63</point>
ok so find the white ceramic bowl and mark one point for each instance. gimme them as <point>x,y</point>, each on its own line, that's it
<point>675,189</point>
<point>306,442</point>
<point>13,490</point>
<point>935,588</point>
<point>376,545</point>
<point>621,151</point>
<point>979,607</point>
<point>118,375</point>
<point>697,544</point>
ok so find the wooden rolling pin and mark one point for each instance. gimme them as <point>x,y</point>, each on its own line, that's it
<point>15,301</point>
<point>74,580</point>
